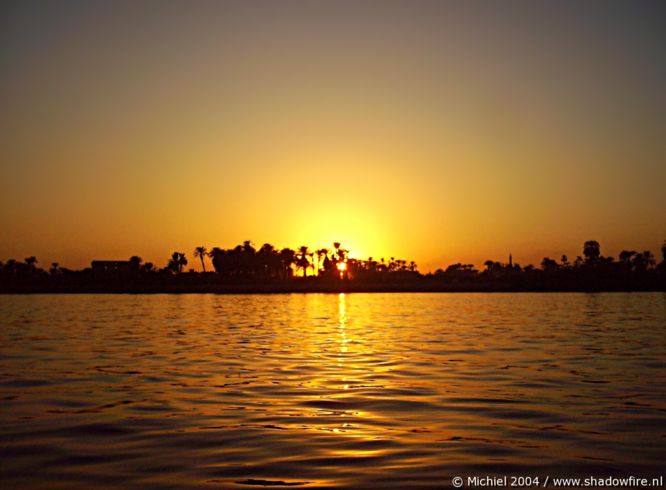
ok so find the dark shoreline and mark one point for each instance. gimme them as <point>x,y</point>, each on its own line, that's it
<point>246,270</point>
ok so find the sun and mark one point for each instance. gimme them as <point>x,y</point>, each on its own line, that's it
<point>342,266</point>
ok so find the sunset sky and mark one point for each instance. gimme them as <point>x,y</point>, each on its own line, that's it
<point>433,131</point>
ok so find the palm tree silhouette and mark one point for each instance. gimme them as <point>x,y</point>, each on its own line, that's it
<point>302,260</point>
<point>201,252</point>
<point>321,256</point>
<point>565,261</point>
<point>313,261</point>
<point>287,258</point>
<point>177,262</point>
<point>336,246</point>
<point>625,257</point>
<point>591,251</point>
<point>30,262</point>
<point>216,255</point>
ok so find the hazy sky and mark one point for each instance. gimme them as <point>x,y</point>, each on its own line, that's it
<point>428,130</point>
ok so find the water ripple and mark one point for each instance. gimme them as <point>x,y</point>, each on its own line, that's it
<point>328,391</point>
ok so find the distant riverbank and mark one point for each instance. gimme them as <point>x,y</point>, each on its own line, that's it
<point>246,270</point>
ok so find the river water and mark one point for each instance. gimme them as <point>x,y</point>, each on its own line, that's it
<point>327,390</point>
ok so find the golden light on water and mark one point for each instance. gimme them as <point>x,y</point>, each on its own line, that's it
<point>349,390</point>
<point>342,323</point>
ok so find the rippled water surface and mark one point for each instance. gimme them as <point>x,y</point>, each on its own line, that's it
<point>328,391</point>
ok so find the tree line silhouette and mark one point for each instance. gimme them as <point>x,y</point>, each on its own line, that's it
<point>591,271</point>
<point>245,268</point>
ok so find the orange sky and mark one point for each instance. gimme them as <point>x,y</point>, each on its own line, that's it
<point>432,131</point>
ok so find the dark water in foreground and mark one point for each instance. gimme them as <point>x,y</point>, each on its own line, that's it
<point>314,391</point>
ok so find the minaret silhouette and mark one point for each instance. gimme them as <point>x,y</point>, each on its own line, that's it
<point>510,261</point>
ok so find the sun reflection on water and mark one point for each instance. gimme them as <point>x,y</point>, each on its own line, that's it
<point>342,328</point>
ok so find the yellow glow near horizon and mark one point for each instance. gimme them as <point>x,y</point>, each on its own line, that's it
<point>438,132</point>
